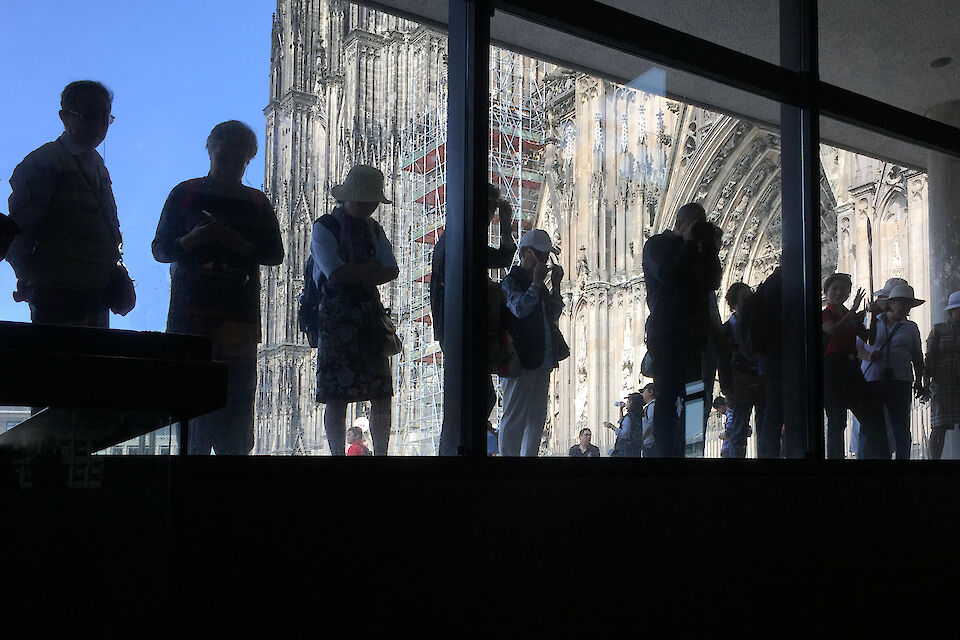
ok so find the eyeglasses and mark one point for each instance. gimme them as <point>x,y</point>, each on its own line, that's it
<point>94,116</point>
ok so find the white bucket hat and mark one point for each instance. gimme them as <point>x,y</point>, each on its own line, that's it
<point>884,294</point>
<point>954,301</point>
<point>538,239</point>
<point>363,184</point>
<point>904,292</point>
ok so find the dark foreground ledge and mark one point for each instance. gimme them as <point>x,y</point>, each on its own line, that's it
<point>449,544</point>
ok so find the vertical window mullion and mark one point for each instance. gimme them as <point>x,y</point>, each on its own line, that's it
<point>465,269</point>
<point>800,158</point>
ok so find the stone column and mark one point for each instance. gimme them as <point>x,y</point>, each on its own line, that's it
<point>943,186</point>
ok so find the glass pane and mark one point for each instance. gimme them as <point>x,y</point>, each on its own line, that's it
<point>894,52</point>
<point>165,106</point>
<point>602,169</point>
<point>888,225</point>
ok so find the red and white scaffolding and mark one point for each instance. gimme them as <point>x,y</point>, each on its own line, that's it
<point>516,141</point>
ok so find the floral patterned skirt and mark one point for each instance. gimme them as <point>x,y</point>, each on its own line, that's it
<point>351,364</point>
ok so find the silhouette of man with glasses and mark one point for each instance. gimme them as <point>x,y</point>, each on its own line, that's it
<point>67,253</point>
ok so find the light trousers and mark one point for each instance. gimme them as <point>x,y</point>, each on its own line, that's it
<point>524,412</point>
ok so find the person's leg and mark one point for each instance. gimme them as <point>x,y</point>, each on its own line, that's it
<point>935,444</point>
<point>536,413</point>
<point>771,425</point>
<point>512,422</point>
<point>201,428</point>
<point>757,413</point>
<point>898,407</point>
<point>836,425</point>
<point>68,310</point>
<point>868,409</point>
<point>232,433</point>
<point>491,396</point>
<point>334,419</point>
<point>669,390</point>
<point>739,418</point>
<point>380,417</point>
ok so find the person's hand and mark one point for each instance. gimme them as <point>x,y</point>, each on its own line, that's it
<point>608,425</point>
<point>858,299</point>
<point>539,272</point>
<point>556,275</point>
<point>231,240</point>
<point>205,232</point>
<point>506,214</point>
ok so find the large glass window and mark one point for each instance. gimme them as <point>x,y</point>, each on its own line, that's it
<point>888,233</point>
<point>601,167</point>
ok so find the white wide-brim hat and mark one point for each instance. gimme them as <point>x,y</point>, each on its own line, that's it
<point>954,301</point>
<point>904,292</point>
<point>538,239</point>
<point>363,184</point>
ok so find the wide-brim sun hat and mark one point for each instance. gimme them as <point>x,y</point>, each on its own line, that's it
<point>538,239</point>
<point>904,292</point>
<point>363,184</point>
<point>954,301</point>
<point>890,284</point>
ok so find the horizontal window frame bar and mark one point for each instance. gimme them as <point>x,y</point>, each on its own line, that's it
<point>618,29</point>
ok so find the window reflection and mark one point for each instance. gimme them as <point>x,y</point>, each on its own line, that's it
<point>893,243</point>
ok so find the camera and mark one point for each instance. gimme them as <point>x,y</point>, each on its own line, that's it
<point>704,234</point>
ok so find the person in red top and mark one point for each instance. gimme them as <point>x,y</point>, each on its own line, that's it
<point>355,440</point>
<point>843,384</point>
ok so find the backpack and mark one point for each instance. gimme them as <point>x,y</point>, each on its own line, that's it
<point>311,297</point>
<point>760,324</point>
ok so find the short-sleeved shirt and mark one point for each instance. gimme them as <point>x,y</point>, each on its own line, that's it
<point>843,342</point>
<point>328,254</point>
<point>904,347</point>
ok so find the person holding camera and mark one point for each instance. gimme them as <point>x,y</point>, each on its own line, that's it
<point>629,431</point>
<point>894,365</point>
<point>681,269</point>
<point>538,342</point>
<point>497,258</point>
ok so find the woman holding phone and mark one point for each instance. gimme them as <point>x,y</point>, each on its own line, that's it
<point>216,233</point>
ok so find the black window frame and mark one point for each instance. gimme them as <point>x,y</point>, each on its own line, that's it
<point>804,98</point>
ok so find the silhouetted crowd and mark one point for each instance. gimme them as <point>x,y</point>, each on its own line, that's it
<point>64,242</point>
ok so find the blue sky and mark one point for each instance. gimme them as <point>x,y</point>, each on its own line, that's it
<point>177,69</point>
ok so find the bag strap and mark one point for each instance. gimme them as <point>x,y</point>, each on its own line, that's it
<point>886,344</point>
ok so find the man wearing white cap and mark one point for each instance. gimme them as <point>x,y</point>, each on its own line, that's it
<point>537,340</point>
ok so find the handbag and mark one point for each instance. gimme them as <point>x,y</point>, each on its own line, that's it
<point>121,297</point>
<point>503,358</point>
<point>646,365</point>
<point>392,344</point>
